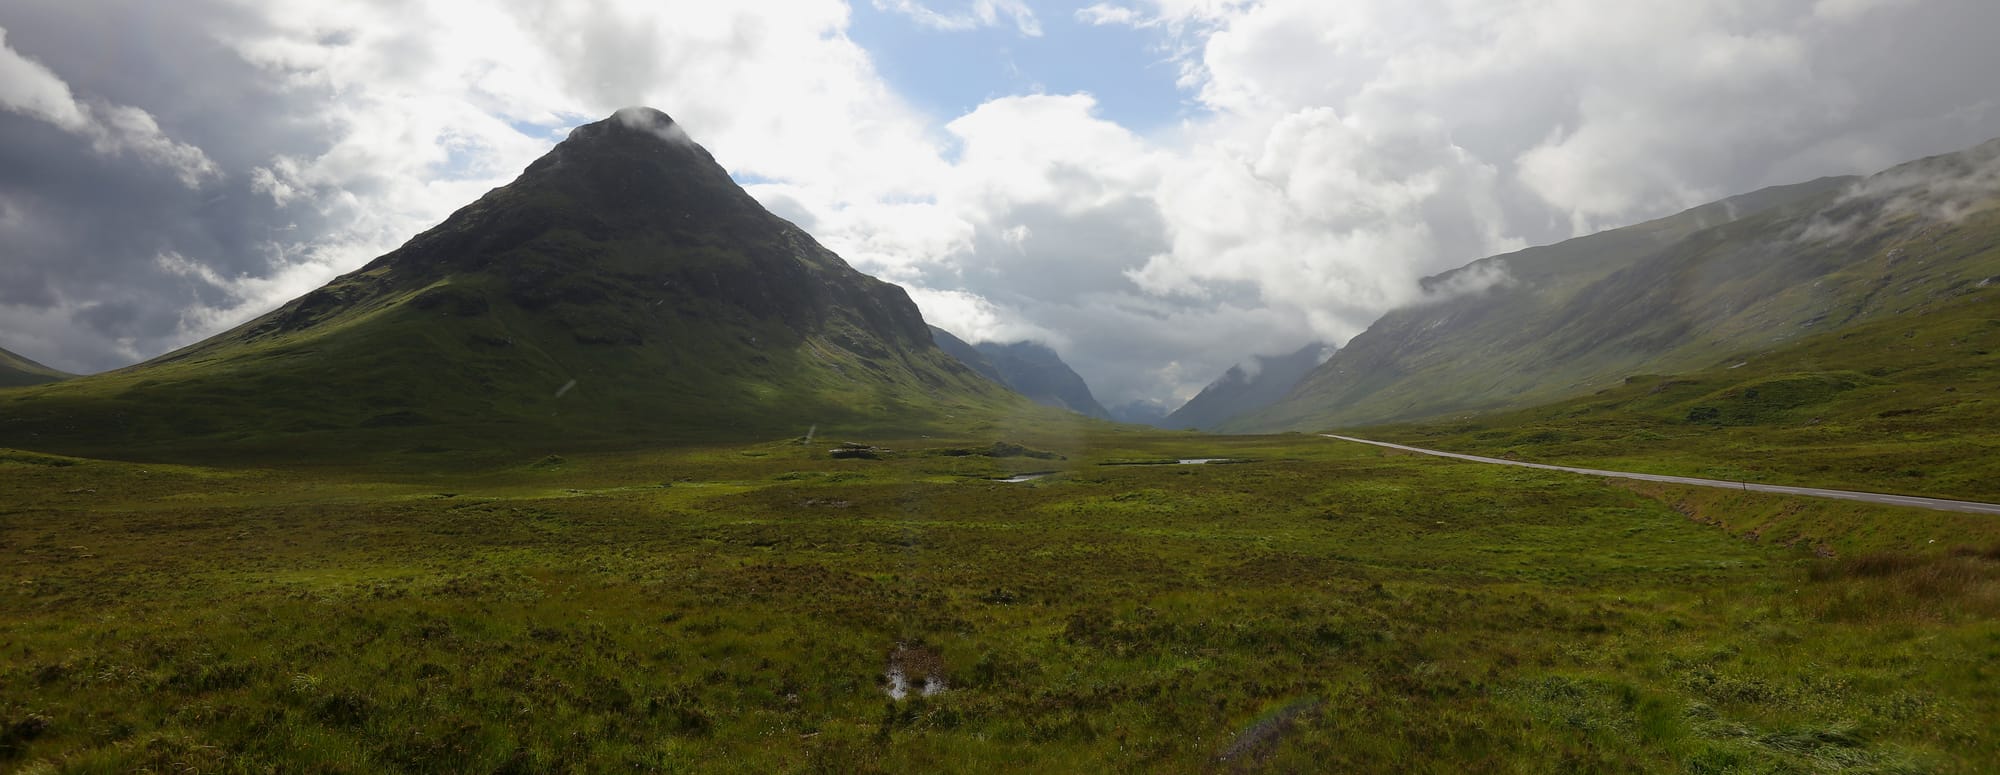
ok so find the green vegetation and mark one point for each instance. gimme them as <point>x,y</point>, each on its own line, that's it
<point>623,293</point>
<point>1902,405</point>
<point>405,384</point>
<point>485,505</point>
<point>1679,294</point>
<point>735,608</point>
<point>16,371</point>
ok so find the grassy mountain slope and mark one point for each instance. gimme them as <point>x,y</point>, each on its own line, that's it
<point>624,290</point>
<point>16,371</point>
<point>1671,295</point>
<point>1901,404</point>
<point>1524,340</point>
<point>1238,392</point>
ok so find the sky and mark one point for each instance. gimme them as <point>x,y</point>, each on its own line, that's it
<point>1155,188</point>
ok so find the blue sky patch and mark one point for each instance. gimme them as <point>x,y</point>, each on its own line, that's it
<point>948,73</point>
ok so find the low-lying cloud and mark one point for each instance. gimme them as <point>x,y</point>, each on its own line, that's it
<point>1932,191</point>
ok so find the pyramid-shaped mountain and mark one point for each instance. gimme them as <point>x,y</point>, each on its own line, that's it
<point>623,290</point>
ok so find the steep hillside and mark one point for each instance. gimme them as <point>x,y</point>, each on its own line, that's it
<point>1240,391</point>
<point>967,354</point>
<point>623,290</point>
<point>1035,371</point>
<point>1028,368</point>
<point>1672,295</point>
<point>1901,404</point>
<point>17,371</point>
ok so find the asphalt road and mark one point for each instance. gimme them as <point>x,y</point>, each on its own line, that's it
<point>1938,504</point>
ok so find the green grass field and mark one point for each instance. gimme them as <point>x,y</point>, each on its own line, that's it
<point>1319,607</point>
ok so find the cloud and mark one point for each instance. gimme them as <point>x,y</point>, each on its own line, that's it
<point>1469,280</point>
<point>29,88</point>
<point>974,319</point>
<point>1108,14</point>
<point>978,13</point>
<point>1850,10</point>
<point>1353,148</point>
<point>1332,221</point>
<point>1334,155</point>
<point>347,129</point>
<point>1930,191</point>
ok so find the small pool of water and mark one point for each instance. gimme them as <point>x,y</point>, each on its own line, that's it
<point>899,685</point>
<point>1019,478</point>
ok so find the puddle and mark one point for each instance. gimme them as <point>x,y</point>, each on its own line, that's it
<point>1029,477</point>
<point>899,685</point>
<point>1179,461</point>
<point>914,669</point>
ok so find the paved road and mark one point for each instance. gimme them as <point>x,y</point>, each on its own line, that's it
<point>1939,504</point>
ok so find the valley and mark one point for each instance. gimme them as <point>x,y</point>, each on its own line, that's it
<point>1320,605</point>
<point>615,469</point>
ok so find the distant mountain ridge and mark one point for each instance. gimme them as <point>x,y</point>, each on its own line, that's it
<point>1141,412</point>
<point>1031,369</point>
<point>1239,391</point>
<point>968,355</point>
<point>1675,294</point>
<point>18,371</point>
<point>623,290</point>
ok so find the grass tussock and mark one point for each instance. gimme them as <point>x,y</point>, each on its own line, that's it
<point>1960,584</point>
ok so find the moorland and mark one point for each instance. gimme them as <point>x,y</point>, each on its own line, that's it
<point>1311,606</point>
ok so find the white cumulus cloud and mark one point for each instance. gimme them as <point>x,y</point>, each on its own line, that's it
<point>30,88</point>
<point>1334,155</point>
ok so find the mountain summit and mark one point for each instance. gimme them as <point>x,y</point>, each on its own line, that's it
<point>623,222</point>
<point>623,290</point>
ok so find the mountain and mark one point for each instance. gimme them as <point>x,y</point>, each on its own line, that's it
<point>1239,391</point>
<point>1900,404</point>
<point>1141,412</point>
<point>967,354</point>
<point>1681,293</point>
<point>622,291</point>
<point>16,371</point>
<point>1028,368</point>
<point>1035,371</point>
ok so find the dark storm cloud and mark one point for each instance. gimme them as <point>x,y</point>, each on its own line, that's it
<point>82,232</point>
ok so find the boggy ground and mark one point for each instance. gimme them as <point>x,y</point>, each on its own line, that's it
<point>1321,607</point>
